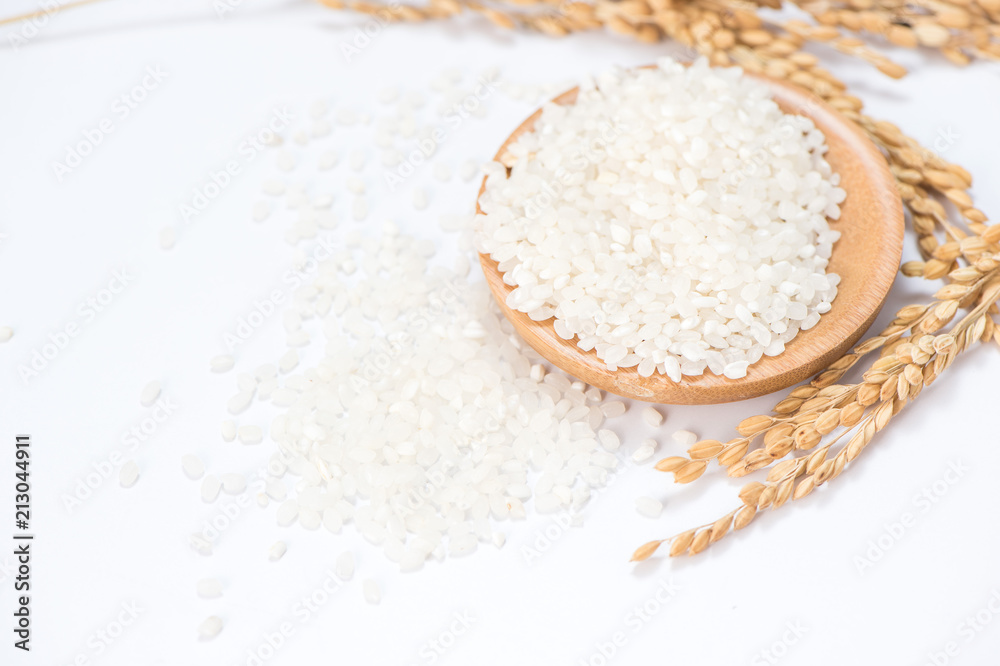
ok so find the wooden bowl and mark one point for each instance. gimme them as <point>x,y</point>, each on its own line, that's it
<point>866,257</point>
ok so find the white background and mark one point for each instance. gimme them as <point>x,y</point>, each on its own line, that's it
<point>62,241</point>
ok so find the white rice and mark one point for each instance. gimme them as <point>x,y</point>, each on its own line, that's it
<point>210,628</point>
<point>128,474</point>
<point>649,507</point>
<point>233,483</point>
<point>250,434</point>
<point>644,451</point>
<point>345,565</point>
<point>221,363</point>
<point>209,588</point>
<point>192,466</point>
<point>210,487</point>
<point>277,551</point>
<point>673,220</point>
<point>685,438</point>
<point>373,594</point>
<point>150,392</point>
<point>652,417</point>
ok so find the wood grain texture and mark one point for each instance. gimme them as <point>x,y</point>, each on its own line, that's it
<point>866,257</point>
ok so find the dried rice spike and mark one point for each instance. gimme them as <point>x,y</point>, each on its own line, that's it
<point>690,471</point>
<point>681,542</point>
<point>645,551</point>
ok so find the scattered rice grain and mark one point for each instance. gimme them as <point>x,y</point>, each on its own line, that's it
<point>128,474</point>
<point>150,392</point>
<point>192,466</point>
<point>210,628</point>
